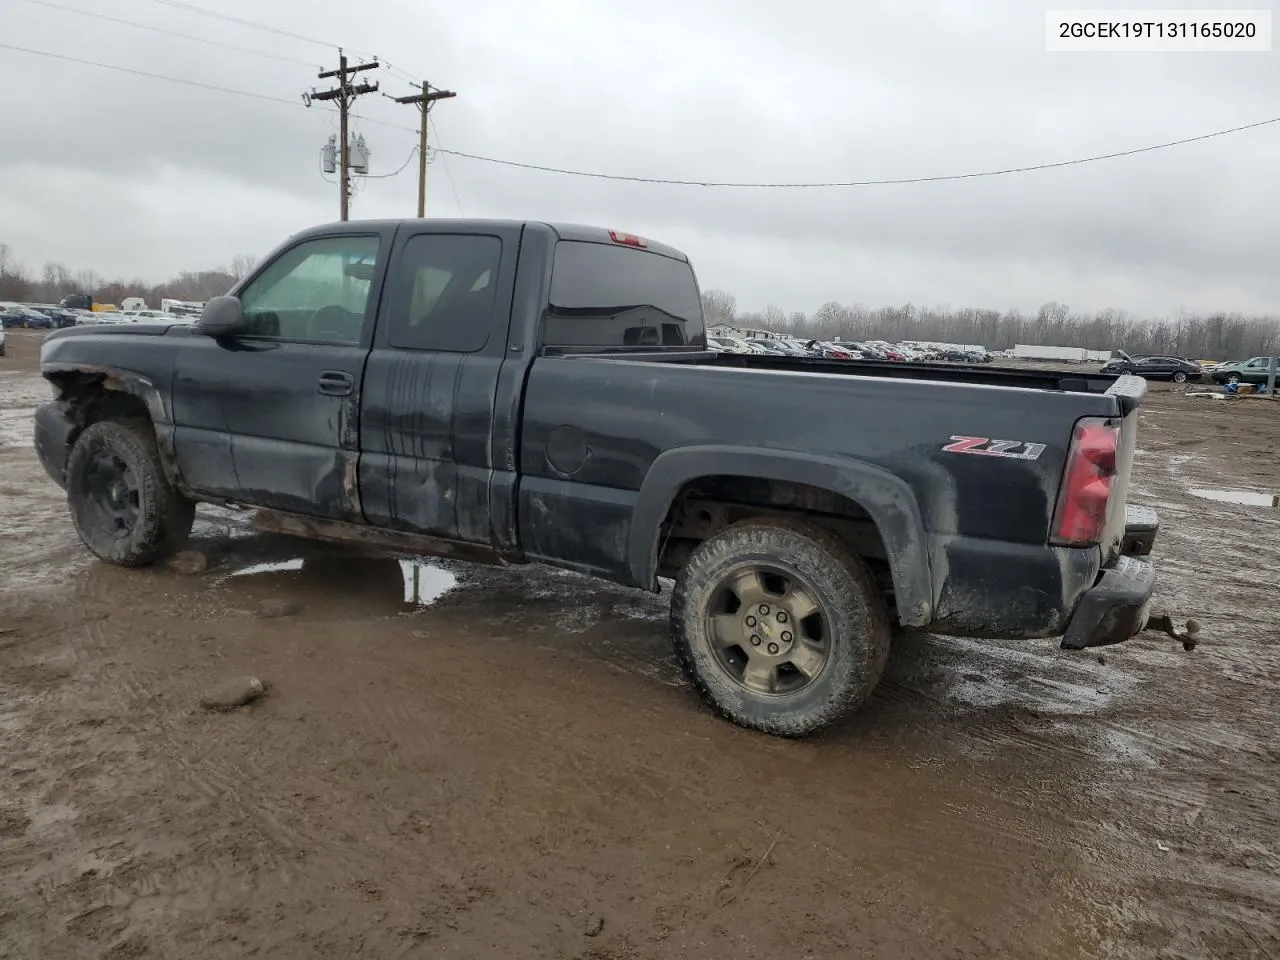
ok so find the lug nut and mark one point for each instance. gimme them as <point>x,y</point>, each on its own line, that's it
<point>755,641</point>
<point>782,616</point>
<point>773,648</point>
<point>764,609</point>
<point>786,636</point>
<point>751,621</point>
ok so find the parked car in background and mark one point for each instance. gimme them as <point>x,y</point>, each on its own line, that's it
<point>769,345</point>
<point>1254,370</point>
<point>17,315</point>
<point>836,351</point>
<point>61,316</point>
<point>732,345</point>
<point>1156,368</point>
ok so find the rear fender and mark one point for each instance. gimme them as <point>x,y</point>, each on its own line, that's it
<point>886,498</point>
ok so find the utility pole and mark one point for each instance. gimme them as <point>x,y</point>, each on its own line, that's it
<point>423,102</point>
<point>345,94</point>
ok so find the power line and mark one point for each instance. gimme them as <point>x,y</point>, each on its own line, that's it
<point>266,28</point>
<point>191,8</point>
<point>152,76</point>
<point>254,25</point>
<point>399,170</point>
<point>447,172</point>
<point>863,183</point>
<point>171,33</point>
<point>670,181</point>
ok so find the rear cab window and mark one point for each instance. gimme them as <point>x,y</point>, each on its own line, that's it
<point>613,298</point>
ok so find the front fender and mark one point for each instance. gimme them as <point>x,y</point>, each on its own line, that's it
<point>122,381</point>
<point>886,498</point>
<point>130,382</point>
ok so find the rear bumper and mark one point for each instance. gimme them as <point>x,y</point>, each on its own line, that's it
<point>53,433</point>
<point>1117,606</point>
<point>1115,609</point>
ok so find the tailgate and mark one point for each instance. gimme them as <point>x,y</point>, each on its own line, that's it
<point>1129,392</point>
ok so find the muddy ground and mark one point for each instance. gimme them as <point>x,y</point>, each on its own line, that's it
<point>463,762</point>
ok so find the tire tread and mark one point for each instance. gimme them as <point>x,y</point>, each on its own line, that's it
<point>166,516</point>
<point>796,542</point>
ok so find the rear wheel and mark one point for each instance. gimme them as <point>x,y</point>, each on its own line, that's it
<point>122,505</point>
<point>1179,376</point>
<point>779,627</point>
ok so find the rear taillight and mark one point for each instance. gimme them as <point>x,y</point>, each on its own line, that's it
<point>1081,514</point>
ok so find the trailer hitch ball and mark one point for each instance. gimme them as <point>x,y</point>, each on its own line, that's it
<point>1189,634</point>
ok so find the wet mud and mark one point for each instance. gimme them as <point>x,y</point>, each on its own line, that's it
<point>466,761</point>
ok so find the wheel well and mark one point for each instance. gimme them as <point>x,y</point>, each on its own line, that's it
<point>707,505</point>
<point>91,397</point>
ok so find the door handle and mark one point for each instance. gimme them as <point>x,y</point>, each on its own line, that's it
<point>335,383</point>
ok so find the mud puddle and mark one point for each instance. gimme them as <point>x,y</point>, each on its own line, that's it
<point>1248,498</point>
<point>423,583</point>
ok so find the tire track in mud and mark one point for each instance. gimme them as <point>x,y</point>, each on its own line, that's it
<point>1204,841</point>
<point>391,718</point>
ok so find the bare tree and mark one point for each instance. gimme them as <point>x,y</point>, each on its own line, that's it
<point>242,265</point>
<point>774,319</point>
<point>718,307</point>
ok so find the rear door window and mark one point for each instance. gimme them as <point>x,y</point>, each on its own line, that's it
<point>443,293</point>
<point>611,297</point>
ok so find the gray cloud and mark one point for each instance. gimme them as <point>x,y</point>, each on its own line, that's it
<point>135,177</point>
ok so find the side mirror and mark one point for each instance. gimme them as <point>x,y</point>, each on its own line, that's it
<point>222,317</point>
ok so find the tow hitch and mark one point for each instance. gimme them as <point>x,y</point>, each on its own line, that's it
<point>1163,622</point>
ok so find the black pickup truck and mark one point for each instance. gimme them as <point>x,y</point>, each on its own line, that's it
<point>523,392</point>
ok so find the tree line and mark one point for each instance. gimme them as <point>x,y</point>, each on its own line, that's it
<point>1217,336</point>
<point>54,281</point>
<point>1212,336</point>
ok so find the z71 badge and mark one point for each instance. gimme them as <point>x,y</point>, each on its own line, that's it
<point>986,447</point>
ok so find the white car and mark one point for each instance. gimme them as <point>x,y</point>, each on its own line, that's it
<point>733,345</point>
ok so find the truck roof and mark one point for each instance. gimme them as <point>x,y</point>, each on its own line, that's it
<point>562,231</point>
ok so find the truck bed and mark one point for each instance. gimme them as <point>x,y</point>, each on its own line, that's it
<point>986,375</point>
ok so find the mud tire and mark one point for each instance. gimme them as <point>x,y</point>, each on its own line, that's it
<point>163,517</point>
<point>859,624</point>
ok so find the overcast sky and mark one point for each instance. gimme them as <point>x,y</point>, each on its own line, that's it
<point>142,178</point>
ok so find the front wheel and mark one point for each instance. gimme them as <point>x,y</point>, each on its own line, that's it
<point>779,627</point>
<point>1179,376</point>
<point>122,505</point>
<point>1233,378</point>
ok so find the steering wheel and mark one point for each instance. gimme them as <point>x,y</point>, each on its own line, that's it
<point>333,322</point>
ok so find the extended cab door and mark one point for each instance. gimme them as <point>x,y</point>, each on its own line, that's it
<point>271,419</point>
<point>433,449</point>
